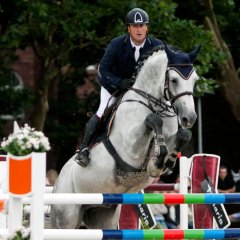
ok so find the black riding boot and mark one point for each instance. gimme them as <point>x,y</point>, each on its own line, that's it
<point>82,157</point>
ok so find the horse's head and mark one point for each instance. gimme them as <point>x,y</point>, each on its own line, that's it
<point>180,79</point>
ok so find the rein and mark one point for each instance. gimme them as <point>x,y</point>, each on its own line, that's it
<point>166,111</point>
<point>153,101</point>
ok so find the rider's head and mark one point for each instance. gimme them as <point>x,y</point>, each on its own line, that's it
<point>137,21</point>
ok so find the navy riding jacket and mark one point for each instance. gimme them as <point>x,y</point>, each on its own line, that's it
<point>118,60</point>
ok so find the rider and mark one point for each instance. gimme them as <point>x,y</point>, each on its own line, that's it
<point>116,69</point>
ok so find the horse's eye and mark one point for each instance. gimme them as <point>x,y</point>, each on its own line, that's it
<point>174,80</point>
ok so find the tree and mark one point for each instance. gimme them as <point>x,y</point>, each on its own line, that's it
<point>74,33</point>
<point>53,29</point>
<point>59,30</point>
<point>222,19</point>
<point>229,79</point>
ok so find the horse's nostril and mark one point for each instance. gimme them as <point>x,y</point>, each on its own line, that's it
<point>184,121</point>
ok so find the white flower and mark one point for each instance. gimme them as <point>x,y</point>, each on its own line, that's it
<point>20,233</point>
<point>39,134</point>
<point>25,232</point>
<point>45,143</point>
<point>28,144</point>
<point>3,144</point>
<point>25,141</point>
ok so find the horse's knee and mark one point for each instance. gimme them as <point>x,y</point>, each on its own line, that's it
<point>155,122</point>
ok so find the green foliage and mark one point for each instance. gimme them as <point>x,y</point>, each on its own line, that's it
<point>14,99</point>
<point>228,19</point>
<point>169,28</point>
<point>20,234</point>
<point>76,32</point>
<point>228,16</point>
<point>205,86</point>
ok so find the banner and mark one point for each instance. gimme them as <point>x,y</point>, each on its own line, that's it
<point>204,178</point>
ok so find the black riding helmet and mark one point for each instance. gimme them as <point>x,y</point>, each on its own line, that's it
<point>137,16</point>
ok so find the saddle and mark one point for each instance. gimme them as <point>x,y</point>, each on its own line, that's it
<point>107,119</point>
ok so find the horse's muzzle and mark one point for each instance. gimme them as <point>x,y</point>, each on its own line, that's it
<point>187,121</point>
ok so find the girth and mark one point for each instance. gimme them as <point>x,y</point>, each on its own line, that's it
<point>120,164</point>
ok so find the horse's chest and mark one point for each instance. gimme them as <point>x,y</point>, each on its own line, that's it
<point>131,180</point>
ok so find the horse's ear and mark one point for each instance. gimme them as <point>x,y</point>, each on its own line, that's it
<point>168,51</point>
<point>193,54</point>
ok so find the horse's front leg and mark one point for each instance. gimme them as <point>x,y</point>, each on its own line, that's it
<point>183,136</point>
<point>155,123</point>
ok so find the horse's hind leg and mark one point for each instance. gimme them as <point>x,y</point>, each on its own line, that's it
<point>102,217</point>
<point>65,216</point>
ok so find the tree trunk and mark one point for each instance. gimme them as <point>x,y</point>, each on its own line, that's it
<point>41,106</point>
<point>229,82</point>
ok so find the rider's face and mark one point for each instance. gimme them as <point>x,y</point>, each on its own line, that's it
<point>138,33</point>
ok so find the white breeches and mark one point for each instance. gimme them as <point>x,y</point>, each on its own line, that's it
<point>106,99</point>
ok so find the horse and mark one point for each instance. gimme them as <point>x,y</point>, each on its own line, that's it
<point>151,124</point>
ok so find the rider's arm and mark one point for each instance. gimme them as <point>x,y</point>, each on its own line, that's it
<point>106,74</point>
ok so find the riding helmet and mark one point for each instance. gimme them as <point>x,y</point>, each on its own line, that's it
<point>137,16</point>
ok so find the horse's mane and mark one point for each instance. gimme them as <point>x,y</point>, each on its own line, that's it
<point>145,57</point>
<point>148,54</point>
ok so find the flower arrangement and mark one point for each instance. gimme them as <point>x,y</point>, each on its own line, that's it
<point>25,141</point>
<point>21,233</point>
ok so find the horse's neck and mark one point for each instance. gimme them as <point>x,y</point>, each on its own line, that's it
<point>151,77</point>
<point>129,134</point>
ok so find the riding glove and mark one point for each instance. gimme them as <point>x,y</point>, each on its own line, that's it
<point>125,83</point>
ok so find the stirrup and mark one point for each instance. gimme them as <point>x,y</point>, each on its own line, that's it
<point>82,157</point>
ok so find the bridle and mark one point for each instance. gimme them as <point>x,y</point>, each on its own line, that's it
<point>166,110</point>
<point>167,93</point>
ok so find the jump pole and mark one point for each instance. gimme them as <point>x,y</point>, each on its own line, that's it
<point>85,234</point>
<point>135,198</point>
<point>52,234</point>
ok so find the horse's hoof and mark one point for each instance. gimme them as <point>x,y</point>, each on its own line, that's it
<point>183,137</point>
<point>167,172</point>
<point>82,157</point>
<point>83,162</point>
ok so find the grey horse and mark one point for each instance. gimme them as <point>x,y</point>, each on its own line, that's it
<point>149,128</point>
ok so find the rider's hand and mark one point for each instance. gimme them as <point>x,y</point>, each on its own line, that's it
<point>125,83</point>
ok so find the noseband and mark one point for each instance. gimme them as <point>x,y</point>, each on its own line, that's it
<point>167,93</point>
